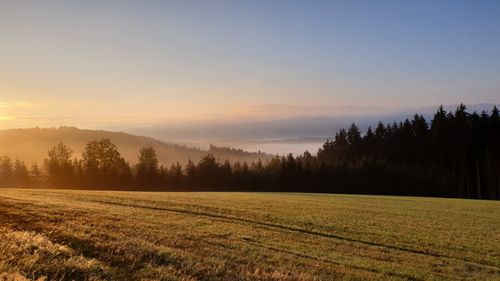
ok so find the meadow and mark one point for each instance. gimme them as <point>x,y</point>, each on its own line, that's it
<point>100,235</point>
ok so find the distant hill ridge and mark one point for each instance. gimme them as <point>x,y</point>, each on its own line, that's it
<point>31,145</point>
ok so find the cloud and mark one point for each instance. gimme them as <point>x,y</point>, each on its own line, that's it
<point>17,104</point>
<point>6,118</point>
<point>126,113</point>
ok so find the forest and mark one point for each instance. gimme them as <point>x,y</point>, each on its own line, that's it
<point>456,154</point>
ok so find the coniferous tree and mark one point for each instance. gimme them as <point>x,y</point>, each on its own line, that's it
<point>6,173</point>
<point>457,154</point>
<point>20,174</point>
<point>175,175</point>
<point>36,175</point>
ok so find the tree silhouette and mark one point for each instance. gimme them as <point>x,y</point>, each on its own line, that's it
<point>456,155</point>
<point>6,173</point>
<point>21,174</point>
<point>147,171</point>
<point>59,168</point>
<point>36,175</point>
<point>103,165</point>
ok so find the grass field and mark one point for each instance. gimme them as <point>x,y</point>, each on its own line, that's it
<point>87,235</point>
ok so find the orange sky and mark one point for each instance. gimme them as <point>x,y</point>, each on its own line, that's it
<point>126,64</point>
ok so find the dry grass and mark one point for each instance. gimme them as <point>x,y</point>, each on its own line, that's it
<point>87,235</point>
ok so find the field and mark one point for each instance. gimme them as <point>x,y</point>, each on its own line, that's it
<point>90,235</point>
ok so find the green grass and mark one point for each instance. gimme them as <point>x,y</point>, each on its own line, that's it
<point>88,235</point>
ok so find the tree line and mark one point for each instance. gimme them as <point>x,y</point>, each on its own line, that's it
<point>457,154</point>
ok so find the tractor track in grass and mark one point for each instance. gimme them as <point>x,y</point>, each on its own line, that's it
<point>19,223</point>
<point>292,229</point>
<point>310,257</point>
<point>86,203</point>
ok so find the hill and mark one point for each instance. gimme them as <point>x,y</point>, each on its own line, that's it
<point>293,128</point>
<point>85,235</point>
<point>288,134</point>
<point>31,145</point>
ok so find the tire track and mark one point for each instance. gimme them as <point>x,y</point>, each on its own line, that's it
<point>275,226</point>
<point>306,256</point>
<point>295,229</point>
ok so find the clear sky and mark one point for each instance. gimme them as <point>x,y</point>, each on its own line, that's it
<point>120,63</point>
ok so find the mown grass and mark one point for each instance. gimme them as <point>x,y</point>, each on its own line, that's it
<point>89,235</point>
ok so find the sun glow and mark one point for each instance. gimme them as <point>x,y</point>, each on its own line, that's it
<point>6,118</point>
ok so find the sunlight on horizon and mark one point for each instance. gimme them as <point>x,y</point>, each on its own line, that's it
<point>7,118</point>
<point>126,114</point>
<point>249,140</point>
<point>104,65</point>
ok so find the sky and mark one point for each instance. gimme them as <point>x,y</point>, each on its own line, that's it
<point>125,64</point>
